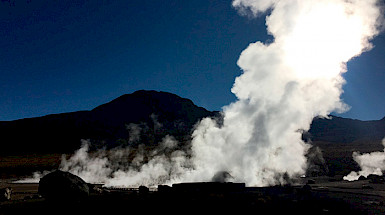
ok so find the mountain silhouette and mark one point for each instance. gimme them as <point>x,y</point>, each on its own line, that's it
<point>337,138</point>
<point>343,130</point>
<point>152,115</point>
<point>155,113</point>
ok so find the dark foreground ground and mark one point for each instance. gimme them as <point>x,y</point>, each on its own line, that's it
<point>322,196</point>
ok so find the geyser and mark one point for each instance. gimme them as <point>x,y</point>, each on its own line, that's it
<point>370,163</point>
<point>284,85</point>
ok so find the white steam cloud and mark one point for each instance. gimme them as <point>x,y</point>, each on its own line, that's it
<point>163,165</point>
<point>284,85</point>
<point>370,163</point>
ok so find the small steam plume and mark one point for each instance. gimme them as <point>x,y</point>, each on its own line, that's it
<point>370,163</point>
<point>114,168</point>
<point>129,165</point>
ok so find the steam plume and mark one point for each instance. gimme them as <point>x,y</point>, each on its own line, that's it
<point>112,168</point>
<point>370,163</point>
<point>283,86</point>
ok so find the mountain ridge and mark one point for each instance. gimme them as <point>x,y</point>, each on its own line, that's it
<point>158,113</point>
<point>104,124</point>
<point>345,130</point>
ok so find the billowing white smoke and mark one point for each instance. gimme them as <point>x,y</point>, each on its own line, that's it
<point>370,163</point>
<point>159,166</point>
<point>283,86</point>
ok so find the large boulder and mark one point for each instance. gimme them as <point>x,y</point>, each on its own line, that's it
<point>63,186</point>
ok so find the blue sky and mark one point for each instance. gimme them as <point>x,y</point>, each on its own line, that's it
<point>60,57</point>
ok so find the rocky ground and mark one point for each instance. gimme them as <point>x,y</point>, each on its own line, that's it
<point>320,195</point>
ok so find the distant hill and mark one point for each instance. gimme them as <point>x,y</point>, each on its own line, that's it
<point>337,138</point>
<point>153,115</point>
<point>343,130</point>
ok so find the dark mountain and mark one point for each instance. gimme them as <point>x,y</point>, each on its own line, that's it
<point>154,113</point>
<point>337,138</point>
<point>343,130</point>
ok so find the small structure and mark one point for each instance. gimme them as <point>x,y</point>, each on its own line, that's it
<point>143,190</point>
